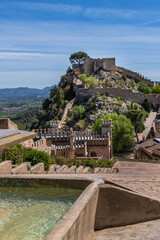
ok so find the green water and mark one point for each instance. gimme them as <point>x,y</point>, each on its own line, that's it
<point>30,213</point>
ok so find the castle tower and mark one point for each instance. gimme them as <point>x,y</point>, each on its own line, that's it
<point>106,129</point>
<point>72,147</point>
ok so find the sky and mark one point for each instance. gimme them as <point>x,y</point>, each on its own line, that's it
<point>37,37</point>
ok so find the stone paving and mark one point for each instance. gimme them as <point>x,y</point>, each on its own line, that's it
<point>144,182</point>
<point>142,231</point>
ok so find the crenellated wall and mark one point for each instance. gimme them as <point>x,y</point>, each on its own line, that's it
<point>136,76</point>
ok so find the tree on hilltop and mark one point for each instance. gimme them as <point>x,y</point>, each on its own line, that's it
<point>78,58</point>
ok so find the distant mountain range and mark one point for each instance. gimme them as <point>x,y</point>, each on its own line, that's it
<point>21,92</point>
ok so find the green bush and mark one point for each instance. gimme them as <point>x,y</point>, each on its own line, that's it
<point>124,76</point>
<point>35,156</point>
<point>77,112</point>
<point>17,154</point>
<point>90,163</point>
<point>133,84</point>
<point>88,75</point>
<point>59,160</point>
<point>122,132</point>
<point>82,77</point>
<point>91,81</point>
<point>146,105</point>
<point>104,163</point>
<point>156,89</point>
<point>144,88</point>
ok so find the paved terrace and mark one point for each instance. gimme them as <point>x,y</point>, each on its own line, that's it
<point>143,178</point>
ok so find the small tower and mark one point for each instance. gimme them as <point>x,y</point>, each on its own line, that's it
<point>106,127</point>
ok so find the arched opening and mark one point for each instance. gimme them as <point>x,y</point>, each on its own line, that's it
<point>93,154</point>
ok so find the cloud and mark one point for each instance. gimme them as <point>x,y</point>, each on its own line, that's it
<point>24,55</point>
<point>110,12</point>
<point>62,8</point>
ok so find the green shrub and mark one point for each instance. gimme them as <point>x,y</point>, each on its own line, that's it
<point>115,99</point>
<point>124,76</point>
<point>15,154</point>
<point>133,84</point>
<point>144,88</point>
<point>91,81</point>
<point>146,105</point>
<point>104,163</point>
<point>90,163</point>
<point>77,112</point>
<point>104,97</point>
<point>88,75</point>
<point>59,160</point>
<point>35,156</point>
<point>156,89</point>
<point>82,77</point>
<point>122,132</point>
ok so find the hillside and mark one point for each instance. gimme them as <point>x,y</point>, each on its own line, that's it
<point>8,93</point>
<point>22,104</point>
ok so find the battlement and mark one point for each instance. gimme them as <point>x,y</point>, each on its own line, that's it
<point>136,76</point>
<point>71,143</point>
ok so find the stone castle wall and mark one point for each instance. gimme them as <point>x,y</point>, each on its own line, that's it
<point>136,76</point>
<point>125,94</point>
<point>91,65</point>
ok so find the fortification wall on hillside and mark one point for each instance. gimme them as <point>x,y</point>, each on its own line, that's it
<point>136,76</point>
<point>125,94</point>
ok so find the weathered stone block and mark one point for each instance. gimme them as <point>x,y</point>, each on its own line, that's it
<point>97,170</point>
<point>72,170</point>
<point>38,168</point>
<point>6,167</point>
<point>80,170</point>
<point>87,170</point>
<point>23,168</point>
<point>62,169</point>
<point>52,169</point>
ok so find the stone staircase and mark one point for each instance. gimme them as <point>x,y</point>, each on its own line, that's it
<point>148,126</point>
<point>6,167</point>
<point>67,109</point>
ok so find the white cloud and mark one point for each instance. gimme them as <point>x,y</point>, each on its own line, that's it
<point>110,12</point>
<point>64,8</point>
<point>24,55</point>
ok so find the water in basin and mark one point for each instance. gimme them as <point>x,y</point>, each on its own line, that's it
<point>30,213</point>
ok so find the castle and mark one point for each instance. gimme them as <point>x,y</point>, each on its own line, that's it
<point>68,143</point>
<point>74,144</point>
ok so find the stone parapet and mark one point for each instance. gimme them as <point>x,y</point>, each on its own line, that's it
<point>38,168</point>
<point>23,168</point>
<point>6,167</point>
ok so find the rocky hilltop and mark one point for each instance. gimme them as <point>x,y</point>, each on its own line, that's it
<point>95,87</point>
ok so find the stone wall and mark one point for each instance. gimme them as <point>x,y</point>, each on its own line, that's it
<point>39,145</point>
<point>92,65</point>
<point>136,76</point>
<point>125,94</point>
<point>6,123</point>
<point>101,151</point>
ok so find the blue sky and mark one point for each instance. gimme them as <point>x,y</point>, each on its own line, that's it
<point>37,37</point>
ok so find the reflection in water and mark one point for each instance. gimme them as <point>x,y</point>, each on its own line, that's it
<point>30,213</point>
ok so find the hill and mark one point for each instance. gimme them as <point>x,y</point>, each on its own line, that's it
<point>8,93</point>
